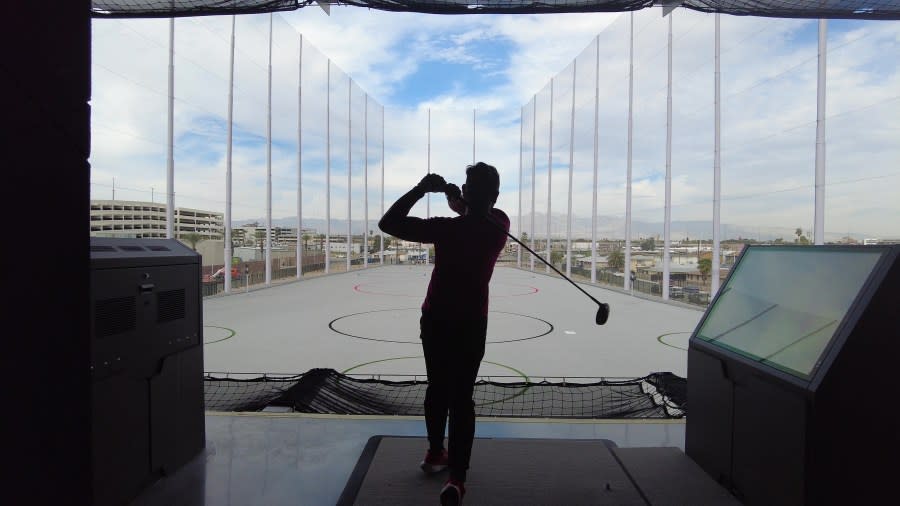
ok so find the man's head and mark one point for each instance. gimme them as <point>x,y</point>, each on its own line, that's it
<point>482,186</point>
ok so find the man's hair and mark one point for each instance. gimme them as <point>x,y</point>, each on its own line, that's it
<point>482,184</point>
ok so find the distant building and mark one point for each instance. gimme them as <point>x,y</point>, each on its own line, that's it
<point>127,218</point>
<point>253,234</point>
<point>340,246</point>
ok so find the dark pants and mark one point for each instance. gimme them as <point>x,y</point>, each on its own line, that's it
<point>453,352</point>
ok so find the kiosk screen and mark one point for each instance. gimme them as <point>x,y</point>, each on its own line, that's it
<point>782,305</point>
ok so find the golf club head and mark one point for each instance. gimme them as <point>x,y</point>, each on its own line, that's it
<point>602,313</point>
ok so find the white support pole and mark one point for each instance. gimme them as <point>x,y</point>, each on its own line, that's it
<point>381,251</point>
<point>668,213</point>
<point>596,152</point>
<point>269,165</point>
<point>473,136</point>
<point>717,167</point>
<point>170,145</point>
<point>533,169</point>
<point>366,183</point>
<point>549,175</point>
<point>114,189</point>
<point>819,228</point>
<point>300,162</point>
<point>349,167</point>
<point>571,173</point>
<point>228,250</point>
<point>630,137</point>
<point>519,220</point>
<point>328,172</point>
<point>428,195</point>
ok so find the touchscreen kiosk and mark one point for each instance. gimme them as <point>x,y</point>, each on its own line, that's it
<point>788,374</point>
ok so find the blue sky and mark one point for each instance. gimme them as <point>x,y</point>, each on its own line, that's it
<point>411,63</point>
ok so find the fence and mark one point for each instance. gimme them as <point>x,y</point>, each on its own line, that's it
<point>618,146</point>
<point>322,156</point>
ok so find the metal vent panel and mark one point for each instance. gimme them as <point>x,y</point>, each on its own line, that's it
<point>158,248</point>
<point>131,248</point>
<point>170,305</point>
<point>101,248</point>
<point>114,316</point>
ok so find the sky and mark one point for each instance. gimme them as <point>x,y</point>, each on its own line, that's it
<point>485,80</point>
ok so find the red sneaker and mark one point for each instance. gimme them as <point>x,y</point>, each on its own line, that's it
<point>435,463</point>
<point>452,493</point>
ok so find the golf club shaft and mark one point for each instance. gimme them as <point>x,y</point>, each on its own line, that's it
<point>490,220</point>
<point>548,263</point>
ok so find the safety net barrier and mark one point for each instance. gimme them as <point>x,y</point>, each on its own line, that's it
<point>325,391</point>
<point>842,9</point>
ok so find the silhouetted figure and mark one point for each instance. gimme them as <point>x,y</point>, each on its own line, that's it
<point>454,314</point>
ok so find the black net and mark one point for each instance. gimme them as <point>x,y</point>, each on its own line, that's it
<point>658,395</point>
<point>254,394</point>
<point>840,9</point>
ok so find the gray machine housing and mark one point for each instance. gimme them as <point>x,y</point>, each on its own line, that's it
<point>776,439</point>
<point>146,363</point>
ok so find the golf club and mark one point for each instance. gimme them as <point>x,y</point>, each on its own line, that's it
<point>602,307</point>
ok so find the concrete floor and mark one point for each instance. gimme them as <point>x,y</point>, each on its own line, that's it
<point>265,459</point>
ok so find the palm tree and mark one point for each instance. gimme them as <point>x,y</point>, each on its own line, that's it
<point>704,265</point>
<point>616,259</point>
<point>193,238</point>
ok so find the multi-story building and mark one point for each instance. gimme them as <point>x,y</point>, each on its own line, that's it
<point>252,234</point>
<point>127,218</point>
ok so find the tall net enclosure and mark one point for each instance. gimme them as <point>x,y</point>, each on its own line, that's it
<point>249,166</point>
<point>872,9</point>
<point>314,142</point>
<point>375,176</point>
<point>612,148</point>
<point>584,136</point>
<point>543,204</point>
<point>339,102</point>
<point>406,161</point>
<point>357,194</point>
<point>862,120</point>
<point>559,163</point>
<point>649,147</point>
<point>693,136</point>
<point>285,151</point>
<point>139,138</point>
<point>525,220</point>
<point>453,137</point>
<point>768,130</point>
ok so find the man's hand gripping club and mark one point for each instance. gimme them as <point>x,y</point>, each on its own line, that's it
<point>433,183</point>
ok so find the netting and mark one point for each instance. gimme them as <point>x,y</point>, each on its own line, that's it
<point>842,9</point>
<point>325,391</point>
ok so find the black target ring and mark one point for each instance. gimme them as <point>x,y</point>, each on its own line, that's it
<point>331,325</point>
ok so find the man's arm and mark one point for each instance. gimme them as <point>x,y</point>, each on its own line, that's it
<point>454,199</point>
<point>397,222</point>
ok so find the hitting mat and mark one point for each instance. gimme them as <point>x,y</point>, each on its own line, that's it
<point>534,471</point>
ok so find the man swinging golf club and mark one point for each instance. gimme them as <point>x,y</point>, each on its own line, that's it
<point>454,315</point>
